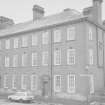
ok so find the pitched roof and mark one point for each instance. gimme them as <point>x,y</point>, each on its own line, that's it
<point>65,16</point>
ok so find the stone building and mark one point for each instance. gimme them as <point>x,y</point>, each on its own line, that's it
<point>61,55</point>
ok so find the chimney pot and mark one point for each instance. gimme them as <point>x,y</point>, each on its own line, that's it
<point>38,12</point>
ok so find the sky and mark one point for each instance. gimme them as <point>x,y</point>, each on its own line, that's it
<point>21,10</point>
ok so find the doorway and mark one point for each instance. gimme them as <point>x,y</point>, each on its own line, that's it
<point>45,86</point>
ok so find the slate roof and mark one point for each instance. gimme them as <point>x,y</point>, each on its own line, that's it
<point>65,16</point>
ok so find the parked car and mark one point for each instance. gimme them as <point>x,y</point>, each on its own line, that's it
<point>21,97</point>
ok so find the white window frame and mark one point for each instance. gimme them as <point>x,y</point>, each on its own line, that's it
<point>24,59</point>
<point>91,84</point>
<point>71,33</point>
<point>14,82</point>
<point>71,89</point>
<point>90,33</point>
<point>34,40</point>
<point>16,42</point>
<point>34,59</point>
<point>15,60</point>
<point>45,37</point>
<point>57,89</point>
<point>23,77</point>
<point>34,86</point>
<point>91,56</point>
<point>24,41</point>
<point>57,57</point>
<point>5,81</point>
<point>45,58</point>
<point>7,44</point>
<point>7,61</point>
<point>0,45</point>
<point>57,35</point>
<point>71,56</point>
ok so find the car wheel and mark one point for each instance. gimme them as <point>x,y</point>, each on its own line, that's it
<point>20,100</point>
<point>10,99</point>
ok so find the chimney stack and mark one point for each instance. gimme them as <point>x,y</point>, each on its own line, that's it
<point>94,12</point>
<point>38,12</point>
<point>97,10</point>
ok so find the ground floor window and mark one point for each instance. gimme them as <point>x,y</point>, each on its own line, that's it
<point>34,82</point>
<point>23,81</point>
<point>57,83</point>
<point>91,84</point>
<point>71,83</point>
<point>14,82</point>
<point>6,81</point>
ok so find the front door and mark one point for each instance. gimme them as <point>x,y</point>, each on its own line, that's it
<point>45,88</point>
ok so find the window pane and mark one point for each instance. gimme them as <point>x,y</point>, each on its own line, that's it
<point>7,44</point>
<point>23,82</point>
<point>57,57</point>
<point>45,37</point>
<point>34,59</point>
<point>15,60</point>
<point>24,41</point>
<point>57,83</point>
<point>16,42</point>
<point>71,33</point>
<point>71,83</point>
<point>45,58</point>
<point>90,33</point>
<point>34,82</point>
<point>14,82</point>
<point>24,59</point>
<point>34,40</point>
<point>71,56</point>
<point>90,56</point>
<point>5,81</point>
<point>7,61</point>
<point>57,36</point>
<point>0,45</point>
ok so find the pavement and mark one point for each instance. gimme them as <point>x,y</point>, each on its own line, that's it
<point>7,102</point>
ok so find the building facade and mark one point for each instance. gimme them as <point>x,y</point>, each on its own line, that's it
<point>60,55</point>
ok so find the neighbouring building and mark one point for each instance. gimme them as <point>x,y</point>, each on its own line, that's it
<point>61,55</point>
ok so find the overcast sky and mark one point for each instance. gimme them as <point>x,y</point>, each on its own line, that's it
<point>21,10</point>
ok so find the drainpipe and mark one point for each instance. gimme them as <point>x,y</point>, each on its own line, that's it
<point>51,73</point>
<point>103,59</point>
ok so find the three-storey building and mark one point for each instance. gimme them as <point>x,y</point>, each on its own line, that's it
<point>60,55</point>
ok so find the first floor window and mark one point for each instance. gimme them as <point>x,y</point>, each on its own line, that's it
<point>5,81</point>
<point>45,37</point>
<point>34,59</point>
<point>90,33</point>
<point>34,40</point>
<point>57,35</point>
<point>57,57</point>
<point>45,58</point>
<point>71,83</point>
<point>34,82</point>
<point>90,51</point>
<point>15,60</point>
<point>24,81</point>
<point>24,59</point>
<point>7,44</point>
<point>57,83</point>
<point>71,56</point>
<point>0,44</point>
<point>14,82</point>
<point>24,41</point>
<point>71,33</point>
<point>7,61</point>
<point>16,41</point>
